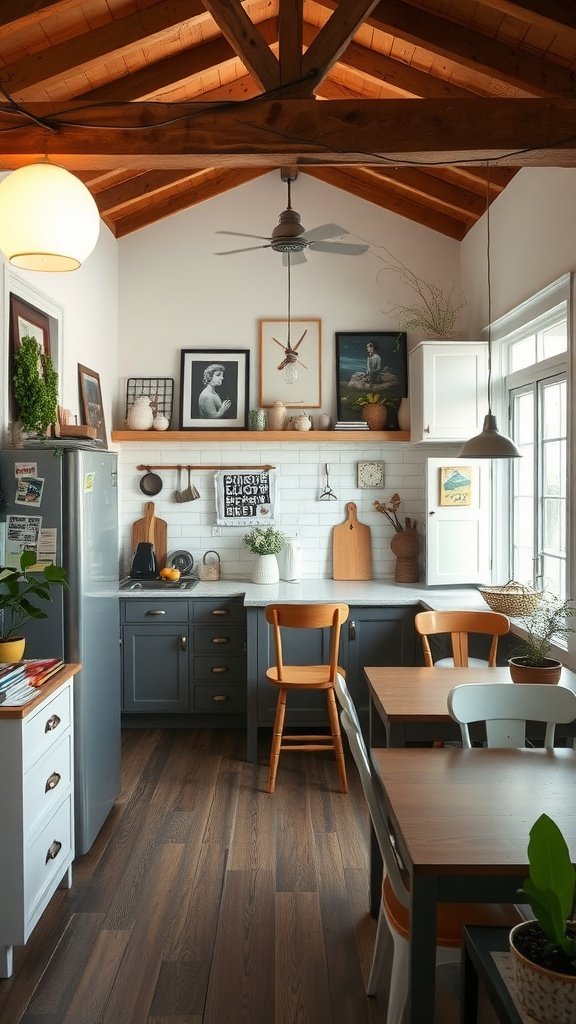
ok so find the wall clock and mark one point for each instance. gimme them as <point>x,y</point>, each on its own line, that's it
<point>370,474</point>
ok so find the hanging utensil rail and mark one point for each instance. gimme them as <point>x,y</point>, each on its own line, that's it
<point>164,466</point>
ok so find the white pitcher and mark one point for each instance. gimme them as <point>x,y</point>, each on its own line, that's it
<point>291,570</point>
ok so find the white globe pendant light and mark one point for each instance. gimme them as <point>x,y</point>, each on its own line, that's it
<point>48,219</point>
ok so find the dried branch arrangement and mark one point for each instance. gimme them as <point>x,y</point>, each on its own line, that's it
<point>390,511</point>
<point>438,307</point>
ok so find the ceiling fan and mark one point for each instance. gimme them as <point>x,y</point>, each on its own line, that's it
<point>291,238</point>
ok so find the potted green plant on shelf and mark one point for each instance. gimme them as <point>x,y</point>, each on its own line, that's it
<point>266,542</point>
<point>35,384</point>
<point>543,950</point>
<point>546,625</point>
<point>20,590</point>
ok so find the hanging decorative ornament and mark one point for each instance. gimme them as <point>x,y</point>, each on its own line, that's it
<point>289,365</point>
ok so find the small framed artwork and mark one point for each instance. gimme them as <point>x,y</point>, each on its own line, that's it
<point>370,474</point>
<point>369,362</point>
<point>28,321</point>
<point>91,401</point>
<point>291,363</point>
<point>456,486</point>
<point>214,389</point>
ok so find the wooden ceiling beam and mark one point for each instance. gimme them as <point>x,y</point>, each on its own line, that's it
<point>242,34</point>
<point>445,195</point>
<point>548,14</point>
<point>18,13</point>
<point>273,133</point>
<point>290,22</point>
<point>334,37</point>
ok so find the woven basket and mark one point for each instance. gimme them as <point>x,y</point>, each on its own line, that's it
<point>511,599</point>
<point>209,570</point>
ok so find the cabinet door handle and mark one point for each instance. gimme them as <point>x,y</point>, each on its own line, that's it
<point>220,611</point>
<point>52,781</point>
<point>426,430</point>
<point>219,668</point>
<point>352,630</point>
<point>183,643</point>
<point>220,698</point>
<point>220,640</point>
<point>53,851</point>
<point>52,723</point>
<point>156,611</point>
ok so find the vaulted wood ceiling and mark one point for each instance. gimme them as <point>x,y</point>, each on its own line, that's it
<point>161,105</point>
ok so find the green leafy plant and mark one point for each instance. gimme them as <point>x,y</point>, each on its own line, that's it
<point>35,384</point>
<point>19,588</point>
<point>551,885</point>
<point>264,540</point>
<point>547,624</point>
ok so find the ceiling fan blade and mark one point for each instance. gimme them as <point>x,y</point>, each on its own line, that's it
<point>250,248</point>
<point>343,248</point>
<point>295,257</point>
<point>324,231</point>
<point>242,234</point>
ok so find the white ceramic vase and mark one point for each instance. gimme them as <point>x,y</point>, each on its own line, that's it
<point>140,415</point>
<point>266,569</point>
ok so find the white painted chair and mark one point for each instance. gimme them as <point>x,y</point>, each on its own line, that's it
<point>459,626</point>
<point>394,906</point>
<point>506,707</point>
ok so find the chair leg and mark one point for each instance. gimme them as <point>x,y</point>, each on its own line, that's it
<point>337,738</point>
<point>398,979</point>
<point>382,932</point>
<point>276,739</point>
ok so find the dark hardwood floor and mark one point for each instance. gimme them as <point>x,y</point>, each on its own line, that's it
<point>207,901</point>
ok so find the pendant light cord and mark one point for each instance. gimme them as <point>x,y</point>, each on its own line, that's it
<point>288,331</point>
<point>489,288</point>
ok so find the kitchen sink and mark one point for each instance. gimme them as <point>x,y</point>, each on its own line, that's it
<point>181,584</point>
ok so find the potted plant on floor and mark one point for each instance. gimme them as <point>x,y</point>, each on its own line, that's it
<point>19,592</point>
<point>548,623</point>
<point>266,542</point>
<point>543,951</point>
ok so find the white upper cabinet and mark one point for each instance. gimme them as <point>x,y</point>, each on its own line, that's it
<point>448,390</point>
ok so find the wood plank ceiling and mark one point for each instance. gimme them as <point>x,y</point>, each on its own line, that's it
<point>161,105</point>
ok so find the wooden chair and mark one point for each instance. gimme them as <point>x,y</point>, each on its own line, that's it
<point>395,903</point>
<point>306,677</point>
<point>506,707</point>
<point>459,625</point>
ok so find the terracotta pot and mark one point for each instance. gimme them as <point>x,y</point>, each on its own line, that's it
<point>522,672</point>
<point>405,546</point>
<point>375,416</point>
<point>12,650</point>
<point>547,996</point>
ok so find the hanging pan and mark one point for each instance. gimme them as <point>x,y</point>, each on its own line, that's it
<point>150,483</point>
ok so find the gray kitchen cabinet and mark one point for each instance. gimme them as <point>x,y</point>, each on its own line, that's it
<point>183,657</point>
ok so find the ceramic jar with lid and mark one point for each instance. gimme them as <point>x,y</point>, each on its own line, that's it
<point>277,416</point>
<point>140,415</point>
<point>303,422</point>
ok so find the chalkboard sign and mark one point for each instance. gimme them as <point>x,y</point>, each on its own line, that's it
<point>245,497</point>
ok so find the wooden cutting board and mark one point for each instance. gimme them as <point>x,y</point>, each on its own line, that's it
<point>351,548</point>
<point>153,530</point>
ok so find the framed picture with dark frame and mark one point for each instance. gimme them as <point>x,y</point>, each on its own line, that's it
<point>214,389</point>
<point>91,401</point>
<point>370,362</point>
<point>25,321</point>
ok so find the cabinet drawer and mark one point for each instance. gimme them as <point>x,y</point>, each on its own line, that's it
<point>140,610</point>
<point>47,857</point>
<point>44,726</point>
<point>227,609</point>
<point>229,670</point>
<point>47,783</point>
<point>223,699</point>
<point>220,638</point>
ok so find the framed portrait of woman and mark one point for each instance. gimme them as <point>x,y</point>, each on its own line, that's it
<point>214,389</point>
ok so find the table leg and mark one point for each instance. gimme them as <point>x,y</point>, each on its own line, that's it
<point>469,989</point>
<point>422,983</point>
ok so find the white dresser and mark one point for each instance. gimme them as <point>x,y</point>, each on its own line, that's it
<point>36,808</point>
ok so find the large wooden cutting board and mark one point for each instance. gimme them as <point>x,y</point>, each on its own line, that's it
<point>153,530</point>
<point>351,548</point>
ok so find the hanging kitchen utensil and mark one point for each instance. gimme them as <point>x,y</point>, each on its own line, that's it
<point>150,483</point>
<point>327,493</point>
<point>209,571</point>
<point>190,494</point>
<point>179,493</point>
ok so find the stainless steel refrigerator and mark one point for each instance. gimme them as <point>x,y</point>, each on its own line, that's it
<point>78,499</point>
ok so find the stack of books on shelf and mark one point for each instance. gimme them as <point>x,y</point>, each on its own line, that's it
<point>351,425</point>
<point>20,680</point>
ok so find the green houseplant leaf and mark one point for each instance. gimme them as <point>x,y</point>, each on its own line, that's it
<point>21,591</point>
<point>551,884</point>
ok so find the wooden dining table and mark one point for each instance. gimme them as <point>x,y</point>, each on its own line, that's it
<point>461,820</point>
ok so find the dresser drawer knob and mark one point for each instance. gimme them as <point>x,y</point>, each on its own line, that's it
<point>220,639</point>
<point>219,668</point>
<point>156,611</point>
<point>53,851</point>
<point>220,698</point>
<point>220,611</point>
<point>52,781</point>
<point>52,723</point>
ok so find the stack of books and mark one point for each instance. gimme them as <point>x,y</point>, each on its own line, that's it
<point>351,425</point>
<point>20,680</point>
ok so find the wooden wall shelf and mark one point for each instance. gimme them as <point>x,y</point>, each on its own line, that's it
<point>263,436</point>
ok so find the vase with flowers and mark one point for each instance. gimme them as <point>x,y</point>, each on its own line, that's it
<point>266,542</point>
<point>405,543</point>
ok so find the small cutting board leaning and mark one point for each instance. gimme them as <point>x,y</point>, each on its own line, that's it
<point>351,548</point>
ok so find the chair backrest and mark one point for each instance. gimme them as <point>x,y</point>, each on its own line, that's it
<point>506,707</point>
<point>459,625</point>
<point>307,616</point>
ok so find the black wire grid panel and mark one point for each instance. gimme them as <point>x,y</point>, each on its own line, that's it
<point>160,391</point>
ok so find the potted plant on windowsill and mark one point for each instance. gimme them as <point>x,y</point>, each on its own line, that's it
<point>547,624</point>
<point>266,542</point>
<point>543,951</point>
<point>19,592</point>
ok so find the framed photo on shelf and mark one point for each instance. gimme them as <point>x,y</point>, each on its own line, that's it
<point>214,389</point>
<point>28,321</point>
<point>291,374</point>
<point>91,401</point>
<point>369,362</point>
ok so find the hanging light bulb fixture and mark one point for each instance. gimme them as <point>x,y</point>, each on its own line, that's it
<point>48,219</point>
<point>290,371</point>
<point>490,443</point>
